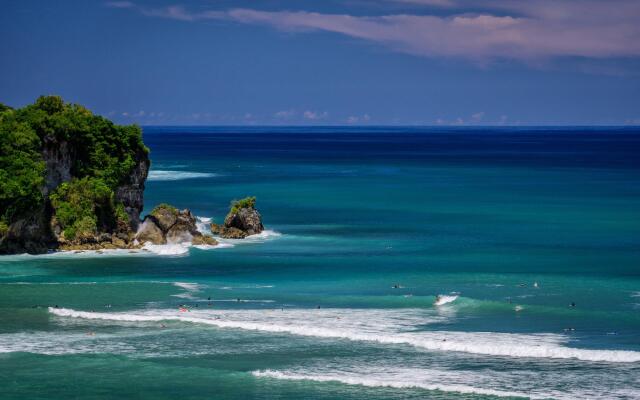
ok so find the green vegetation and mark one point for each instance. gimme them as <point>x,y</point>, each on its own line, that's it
<point>21,168</point>
<point>164,206</point>
<point>158,211</point>
<point>103,156</point>
<point>247,202</point>
<point>85,205</point>
<point>4,107</point>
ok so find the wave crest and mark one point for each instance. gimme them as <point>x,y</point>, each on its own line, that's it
<point>168,175</point>
<point>358,325</point>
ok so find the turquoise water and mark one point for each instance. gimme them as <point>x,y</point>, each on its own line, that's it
<point>336,299</point>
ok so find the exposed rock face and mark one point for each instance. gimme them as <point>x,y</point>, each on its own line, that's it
<point>184,228</point>
<point>58,159</point>
<point>204,240</point>
<point>166,224</point>
<point>38,232</point>
<point>239,224</point>
<point>149,231</point>
<point>131,194</point>
<point>28,235</point>
<point>228,233</point>
<point>245,219</point>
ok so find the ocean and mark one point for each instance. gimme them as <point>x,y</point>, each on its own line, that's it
<point>528,240</point>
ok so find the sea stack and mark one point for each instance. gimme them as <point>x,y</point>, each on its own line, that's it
<point>242,220</point>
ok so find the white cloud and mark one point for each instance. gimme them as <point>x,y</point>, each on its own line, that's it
<point>314,115</point>
<point>431,3</point>
<point>504,29</point>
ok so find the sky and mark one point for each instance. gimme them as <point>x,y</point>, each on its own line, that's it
<point>328,62</point>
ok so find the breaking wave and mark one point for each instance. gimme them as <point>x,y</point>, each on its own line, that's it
<point>167,175</point>
<point>376,326</point>
<point>408,380</point>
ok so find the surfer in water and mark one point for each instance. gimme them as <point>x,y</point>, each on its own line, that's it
<point>438,300</point>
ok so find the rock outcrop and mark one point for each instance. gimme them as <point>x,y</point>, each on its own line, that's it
<point>131,192</point>
<point>50,144</point>
<point>29,234</point>
<point>242,220</point>
<point>72,180</point>
<point>167,224</point>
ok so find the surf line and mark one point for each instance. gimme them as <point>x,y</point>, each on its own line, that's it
<point>456,341</point>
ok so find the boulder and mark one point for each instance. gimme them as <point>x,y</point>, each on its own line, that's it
<point>166,224</point>
<point>177,234</point>
<point>204,240</point>
<point>184,228</point>
<point>245,219</point>
<point>228,233</point>
<point>149,231</point>
<point>233,233</point>
<point>165,216</point>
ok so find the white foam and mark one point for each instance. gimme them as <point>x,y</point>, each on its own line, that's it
<point>149,249</point>
<point>245,287</point>
<point>380,326</point>
<point>261,237</point>
<point>187,296</point>
<point>444,299</point>
<point>169,175</point>
<point>191,287</point>
<point>57,344</point>
<point>402,379</point>
<point>203,225</point>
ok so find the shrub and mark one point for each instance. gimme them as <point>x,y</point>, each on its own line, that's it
<point>164,206</point>
<point>21,168</point>
<point>83,206</point>
<point>104,153</point>
<point>247,202</point>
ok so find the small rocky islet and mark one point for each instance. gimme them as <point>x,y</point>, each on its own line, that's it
<point>167,224</point>
<point>72,180</point>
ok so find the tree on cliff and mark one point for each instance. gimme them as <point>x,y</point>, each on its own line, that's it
<point>59,159</point>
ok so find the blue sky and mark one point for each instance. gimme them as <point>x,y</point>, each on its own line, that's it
<point>382,62</point>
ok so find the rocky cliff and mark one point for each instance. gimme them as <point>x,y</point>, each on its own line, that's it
<point>71,180</point>
<point>68,179</point>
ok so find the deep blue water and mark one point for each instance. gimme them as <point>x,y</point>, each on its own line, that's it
<point>336,300</point>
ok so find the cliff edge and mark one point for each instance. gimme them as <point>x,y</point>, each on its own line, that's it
<point>68,178</point>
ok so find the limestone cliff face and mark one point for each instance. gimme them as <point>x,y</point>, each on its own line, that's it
<point>131,193</point>
<point>36,232</point>
<point>58,157</point>
<point>30,234</point>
